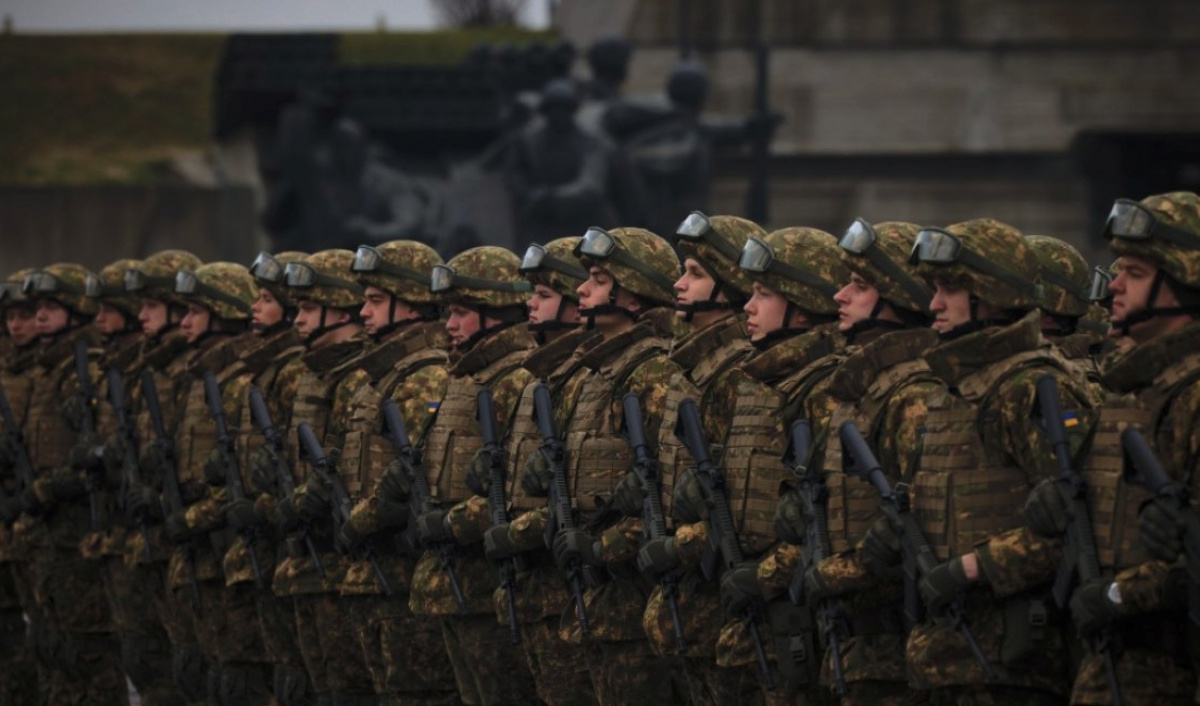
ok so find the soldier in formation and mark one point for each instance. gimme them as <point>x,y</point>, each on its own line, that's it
<point>737,467</point>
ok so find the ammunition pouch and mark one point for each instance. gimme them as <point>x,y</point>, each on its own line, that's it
<point>187,669</point>
<point>243,685</point>
<point>290,684</point>
<point>1027,626</point>
<point>793,634</point>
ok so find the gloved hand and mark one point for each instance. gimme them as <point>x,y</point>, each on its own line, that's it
<point>392,517</point>
<point>394,485</point>
<point>882,547</point>
<point>815,587</point>
<point>575,545</point>
<point>1161,525</point>
<point>152,459</point>
<point>242,515</point>
<point>142,501</point>
<point>74,411</point>
<point>1091,608</point>
<point>316,502</point>
<point>176,527</point>
<point>432,527</point>
<point>658,556</point>
<point>497,544</point>
<point>349,539</point>
<point>263,476</point>
<point>537,478</point>
<point>479,473</point>
<point>943,583</point>
<point>67,484</point>
<point>629,495</point>
<point>112,454</point>
<point>214,469</point>
<point>1046,510</point>
<point>689,503</point>
<point>740,589</point>
<point>792,518</point>
<point>85,454</point>
<point>287,516</point>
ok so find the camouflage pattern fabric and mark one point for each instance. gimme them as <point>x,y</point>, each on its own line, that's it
<point>487,669</point>
<point>559,668</point>
<point>405,654</point>
<point>1180,209</point>
<point>1005,250</point>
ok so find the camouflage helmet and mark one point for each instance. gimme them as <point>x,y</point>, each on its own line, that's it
<point>1066,279</point>
<point>1164,229</point>
<point>716,243</point>
<point>269,272</point>
<point>1101,278</point>
<point>803,265</point>
<point>640,261</point>
<point>227,289</point>
<point>65,283</point>
<point>155,277</point>
<point>324,278</point>
<point>12,290</point>
<point>879,254</point>
<point>108,287</point>
<point>400,267</point>
<point>555,266</point>
<point>487,276</point>
<point>992,260</point>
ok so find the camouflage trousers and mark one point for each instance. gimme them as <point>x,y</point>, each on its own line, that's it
<point>559,668</point>
<point>487,668</point>
<point>628,672</point>
<point>133,595</point>
<point>404,652</point>
<point>984,695</point>
<point>1144,677</point>
<point>328,640</point>
<point>710,685</point>
<point>245,669</point>
<point>290,681</point>
<point>192,619</point>
<point>18,675</point>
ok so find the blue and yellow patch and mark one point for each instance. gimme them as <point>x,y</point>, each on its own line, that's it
<point>1070,419</point>
<point>432,407</point>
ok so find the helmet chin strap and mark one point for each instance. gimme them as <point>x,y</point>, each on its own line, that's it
<point>974,324</point>
<point>769,339</point>
<point>872,322</point>
<point>1148,311</point>
<point>322,328</point>
<point>611,307</point>
<point>711,304</point>
<point>541,328</point>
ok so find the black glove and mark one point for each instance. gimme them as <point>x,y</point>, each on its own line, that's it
<point>68,484</point>
<point>349,539</point>
<point>629,495</point>
<point>214,469</point>
<point>392,517</point>
<point>432,527</point>
<point>942,584</point>
<point>815,587</point>
<point>497,544</point>
<point>658,556</point>
<point>740,589</point>
<point>1046,510</point>
<point>537,478</point>
<point>112,454</point>
<point>142,501</point>
<point>176,527</point>
<point>242,515</point>
<point>882,547</point>
<point>1091,608</point>
<point>1161,525</point>
<point>575,545</point>
<point>86,453</point>
<point>152,459</point>
<point>287,517</point>
<point>479,473</point>
<point>792,518</point>
<point>316,502</point>
<point>263,475</point>
<point>689,503</point>
<point>394,485</point>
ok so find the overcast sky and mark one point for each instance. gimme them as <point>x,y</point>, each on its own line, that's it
<point>226,15</point>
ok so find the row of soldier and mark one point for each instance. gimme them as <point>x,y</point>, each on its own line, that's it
<point>617,470</point>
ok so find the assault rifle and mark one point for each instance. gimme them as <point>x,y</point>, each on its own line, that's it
<point>1143,468</point>
<point>485,413</point>
<point>561,517</point>
<point>1080,558</point>
<point>172,496</point>
<point>227,447</point>
<point>87,429</point>
<point>646,468</point>
<point>283,475</point>
<point>811,485</point>
<point>341,500</point>
<point>420,500</point>
<point>129,467</point>
<point>722,531</point>
<point>860,461</point>
<point>22,467</point>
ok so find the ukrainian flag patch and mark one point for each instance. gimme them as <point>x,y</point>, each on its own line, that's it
<point>432,407</point>
<point>1070,419</point>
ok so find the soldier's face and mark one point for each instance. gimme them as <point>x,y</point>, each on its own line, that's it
<point>380,309</point>
<point>462,324</point>
<point>1131,293</point>
<point>951,306</point>
<point>596,291</point>
<point>195,322</point>
<point>21,322</point>
<point>266,311</point>
<point>51,317</point>
<point>766,311</point>
<point>855,302</point>
<point>154,316</point>
<point>695,285</point>
<point>544,306</point>
<point>109,320</point>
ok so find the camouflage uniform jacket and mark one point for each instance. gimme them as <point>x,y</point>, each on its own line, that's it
<point>410,368</point>
<point>598,458</point>
<point>706,358</point>
<point>322,400</point>
<point>195,441</point>
<point>882,386</point>
<point>17,376</point>
<point>119,354</point>
<point>450,443</point>
<point>275,367</point>
<point>983,450</point>
<point>539,589</point>
<point>1156,386</point>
